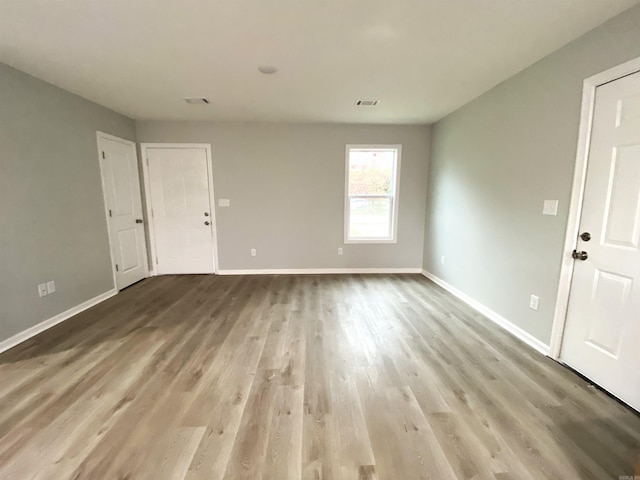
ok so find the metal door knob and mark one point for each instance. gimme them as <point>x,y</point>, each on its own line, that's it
<point>206,223</point>
<point>586,236</point>
<point>206,214</point>
<point>138,220</point>
<point>582,255</point>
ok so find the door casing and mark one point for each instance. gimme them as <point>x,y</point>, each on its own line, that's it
<point>577,196</point>
<point>147,187</point>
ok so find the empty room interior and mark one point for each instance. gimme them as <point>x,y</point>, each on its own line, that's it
<point>289,240</point>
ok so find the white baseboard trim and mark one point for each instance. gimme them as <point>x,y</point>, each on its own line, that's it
<point>317,271</point>
<point>50,322</point>
<point>513,329</point>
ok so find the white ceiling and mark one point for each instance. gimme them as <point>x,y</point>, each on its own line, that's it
<point>421,58</point>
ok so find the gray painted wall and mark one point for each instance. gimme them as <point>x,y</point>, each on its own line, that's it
<point>52,225</point>
<point>495,160</point>
<point>286,186</point>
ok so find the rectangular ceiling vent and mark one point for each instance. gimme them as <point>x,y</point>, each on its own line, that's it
<point>196,100</point>
<point>367,103</point>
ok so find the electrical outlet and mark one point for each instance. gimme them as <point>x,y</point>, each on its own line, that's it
<point>340,251</point>
<point>550,207</point>
<point>51,287</point>
<point>253,252</point>
<point>224,202</point>
<point>42,289</point>
<point>442,260</point>
<point>534,303</point>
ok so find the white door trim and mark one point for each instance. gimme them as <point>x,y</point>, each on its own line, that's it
<point>577,195</point>
<point>105,136</point>
<point>147,188</point>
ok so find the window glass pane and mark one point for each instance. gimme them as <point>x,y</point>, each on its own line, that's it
<point>370,218</point>
<point>371,172</point>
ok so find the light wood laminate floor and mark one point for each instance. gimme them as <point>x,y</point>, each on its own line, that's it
<point>288,377</point>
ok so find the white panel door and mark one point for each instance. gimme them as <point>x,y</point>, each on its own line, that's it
<point>180,199</point>
<point>121,184</point>
<point>602,333</point>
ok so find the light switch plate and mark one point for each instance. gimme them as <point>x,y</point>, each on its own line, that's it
<point>51,287</point>
<point>550,207</point>
<point>224,202</point>
<point>42,289</point>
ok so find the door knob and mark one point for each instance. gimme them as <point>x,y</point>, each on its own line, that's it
<point>206,223</point>
<point>206,214</point>
<point>586,236</point>
<point>580,255</point>
<point>138,220</point>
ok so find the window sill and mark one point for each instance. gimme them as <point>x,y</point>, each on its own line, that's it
<point>370,241</point>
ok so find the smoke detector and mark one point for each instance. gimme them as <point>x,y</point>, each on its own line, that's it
<point>267,69</point>
<point>196,100</point>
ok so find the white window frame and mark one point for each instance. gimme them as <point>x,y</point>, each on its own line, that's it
<point>394,197</point>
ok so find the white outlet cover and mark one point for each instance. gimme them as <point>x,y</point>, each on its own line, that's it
<point>42,289</point>
<point>534,303</point>
<point>550,207</point>
<point>224,202</point>
<point>253,252</point>
<point>340,251</point>
<point>51,287</point>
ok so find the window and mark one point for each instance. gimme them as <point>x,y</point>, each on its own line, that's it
<point>371,203</point>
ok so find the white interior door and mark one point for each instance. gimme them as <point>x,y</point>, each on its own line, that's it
<point>121,186</point>
<point>602,332</point>
<point>180,195</point>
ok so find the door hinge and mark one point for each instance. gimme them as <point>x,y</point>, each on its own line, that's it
<point>152,212</point>
<point>156,260</point>
<point>147,161</point>
<point>110,213</point>
<point>117,269</point>
<point>103,155</point>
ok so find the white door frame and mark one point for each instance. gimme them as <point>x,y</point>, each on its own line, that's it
<point>105,136</point>
<point>147,187</point>
<point>577,196</point>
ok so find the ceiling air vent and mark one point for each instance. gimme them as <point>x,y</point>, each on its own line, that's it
<point>196,100</point>
<point>367,103</point>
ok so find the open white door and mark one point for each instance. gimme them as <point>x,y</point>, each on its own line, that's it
<point>602,332</point>
<point>180,198</point>
<point>121,187</point>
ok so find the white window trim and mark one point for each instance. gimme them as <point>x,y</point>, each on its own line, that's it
<point>396,196</point>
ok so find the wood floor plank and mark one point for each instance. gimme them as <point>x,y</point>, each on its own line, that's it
<point>283,456</point>
<point>170,456</point>
<point>288,377</point>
